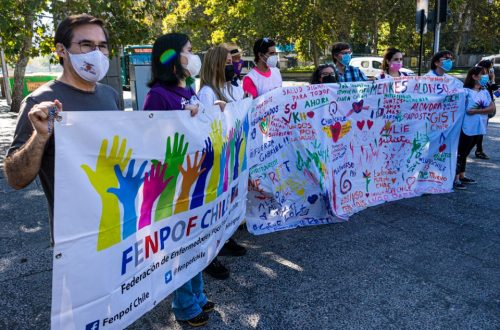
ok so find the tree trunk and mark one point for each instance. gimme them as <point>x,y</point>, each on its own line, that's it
<point>375,37</point>
<point>462,19</point>
<point>315,53</point>
<point>20,69</point>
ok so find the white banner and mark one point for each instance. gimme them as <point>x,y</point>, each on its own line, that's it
<point>320,153</point>
<point>143,202</point>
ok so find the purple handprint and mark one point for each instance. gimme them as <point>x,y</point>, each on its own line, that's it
<point>154,184</point>
<point>208,162</point>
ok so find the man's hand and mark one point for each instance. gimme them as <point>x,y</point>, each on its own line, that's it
<point>41,120</point>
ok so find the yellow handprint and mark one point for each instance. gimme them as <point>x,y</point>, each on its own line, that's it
<point>217,141</point>
<point>103,178</point>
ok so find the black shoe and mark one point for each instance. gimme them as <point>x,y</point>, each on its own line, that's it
<point>208,307</point>
<point>467,180</point>
<point>457,185</point>
<point>231,248</point>
<point>217,270</point>
<point>197,321</point>
<point>482,155</point>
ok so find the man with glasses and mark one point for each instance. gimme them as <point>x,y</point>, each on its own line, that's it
<point>82,46</point>
<point>341,56</point>
<point>441,63</point>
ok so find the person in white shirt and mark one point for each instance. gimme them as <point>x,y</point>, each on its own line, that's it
<point>217,87</point>
<point>441,63</point>
<point>265,76</point>
<point>478,105</point>
<point>217,79</point>
<point>392,64</point>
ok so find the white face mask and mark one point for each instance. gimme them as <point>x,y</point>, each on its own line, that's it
<point>194,64</point>
<point>91,66</point>
<point>272,61</point>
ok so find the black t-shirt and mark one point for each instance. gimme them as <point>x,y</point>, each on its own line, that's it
<point>102,98</point>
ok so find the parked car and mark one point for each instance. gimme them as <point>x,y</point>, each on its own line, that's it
<point>496,65</point>
<point>372,66</point>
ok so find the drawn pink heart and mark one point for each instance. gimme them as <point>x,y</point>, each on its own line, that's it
<point>410,181</point>
<point>360,124</point>
<point>310,114</point>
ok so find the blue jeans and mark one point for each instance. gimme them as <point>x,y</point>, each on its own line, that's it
<point>189,299</point>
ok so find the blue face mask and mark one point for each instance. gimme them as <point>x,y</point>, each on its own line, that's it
<point>346,59</point>
<point>484,80</point>
<point>447,65</point>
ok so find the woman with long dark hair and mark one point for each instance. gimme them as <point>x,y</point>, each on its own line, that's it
<point>172,64</point>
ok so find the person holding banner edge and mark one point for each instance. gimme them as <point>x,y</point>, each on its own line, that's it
<point>170,67</point>
<point>478,105</point>
<point>79,39</point>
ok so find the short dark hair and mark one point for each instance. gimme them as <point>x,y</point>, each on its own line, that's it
<point>438,56</point>
<point>389,53</point>
<point>261,46</point>
<point>64,32</point>
<point>474,71</point>
<point>337,48</point>
<point>168,71</point>
<point>487,64</point>
<point>316,76</point>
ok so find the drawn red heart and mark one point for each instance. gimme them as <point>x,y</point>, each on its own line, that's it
<point>442,147</point>
<point>361,124</point>
<point>367,194</point>
<point>369,123</point>
<point>393,180</point>
<point>335,130</point>
<point>310,114</point>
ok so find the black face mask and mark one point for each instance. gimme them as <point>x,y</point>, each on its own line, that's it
<point>328,79</point>
<point>229,72</point>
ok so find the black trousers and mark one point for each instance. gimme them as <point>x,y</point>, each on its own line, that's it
<point>465,145</point>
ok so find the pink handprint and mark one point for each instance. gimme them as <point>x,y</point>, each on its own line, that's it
<point>154,185</point>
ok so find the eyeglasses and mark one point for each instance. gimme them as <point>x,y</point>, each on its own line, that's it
<point>89,46</point>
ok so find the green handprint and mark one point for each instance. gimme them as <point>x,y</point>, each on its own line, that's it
<point>174,156</point>
<point>103,178</point>
<point>217,141</point>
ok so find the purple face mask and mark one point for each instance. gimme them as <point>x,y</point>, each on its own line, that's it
<point>237,67</point>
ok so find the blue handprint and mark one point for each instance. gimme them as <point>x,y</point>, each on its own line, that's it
<point>220,187</point>
<point>127,193</point>
<point>237,146</point>
<point>208,162</point>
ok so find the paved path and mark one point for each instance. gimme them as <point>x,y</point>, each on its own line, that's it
<point>423,263</point>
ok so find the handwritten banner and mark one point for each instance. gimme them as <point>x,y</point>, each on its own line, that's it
<point>143,202</point>
<point>321,153</point>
